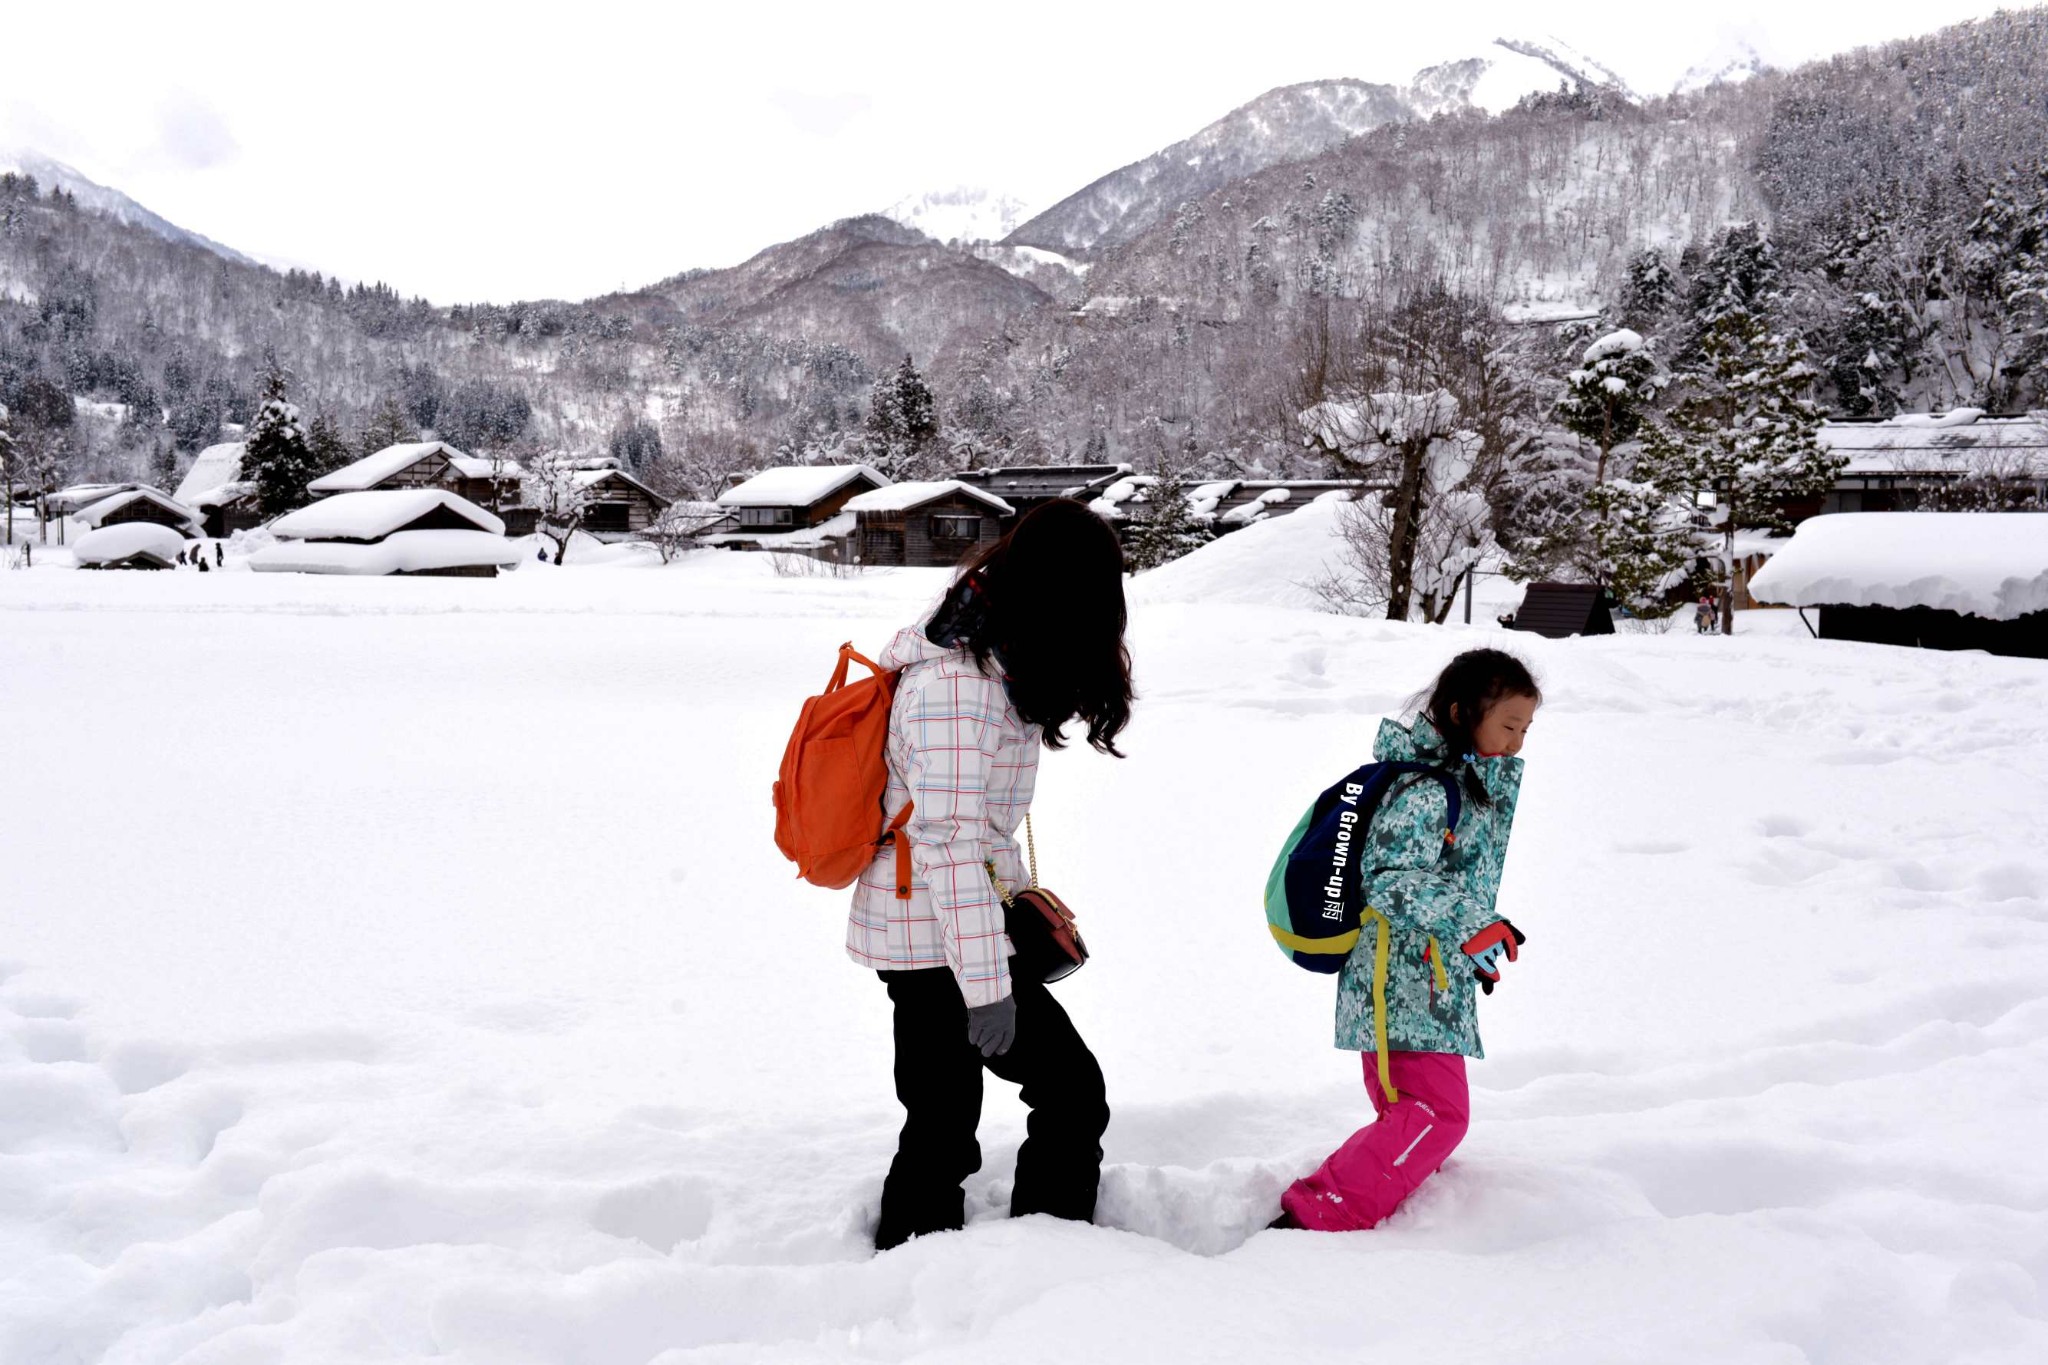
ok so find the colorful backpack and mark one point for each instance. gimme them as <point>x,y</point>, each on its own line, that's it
<point>828,799</point>
<point>1315,894</point>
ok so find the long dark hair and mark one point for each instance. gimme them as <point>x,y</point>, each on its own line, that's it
<point>1043,609</point>
<point>1461,695</point>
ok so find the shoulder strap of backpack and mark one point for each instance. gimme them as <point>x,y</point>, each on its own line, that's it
<point>1454,795</point>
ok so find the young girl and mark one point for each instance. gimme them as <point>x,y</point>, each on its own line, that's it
<point>1445,939</point>
<point>1030,638</point>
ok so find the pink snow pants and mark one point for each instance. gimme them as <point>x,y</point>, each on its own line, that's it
<point>1367,1178</point>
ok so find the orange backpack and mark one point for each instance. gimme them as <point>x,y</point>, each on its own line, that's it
<point>828,800</point>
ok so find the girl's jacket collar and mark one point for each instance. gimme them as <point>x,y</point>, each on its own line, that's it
<point>1418,742</point>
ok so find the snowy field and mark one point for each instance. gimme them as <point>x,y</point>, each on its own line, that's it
<point>403,971</point>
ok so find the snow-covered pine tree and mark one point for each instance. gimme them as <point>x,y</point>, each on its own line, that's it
<point>163,466</point>
<point>277,460</point>
<point>1628,537</point>
<point>902,428</point>
<point>1740,276</point>
<point>1745,431</point>
<point>1165,527</point>
<point>388,426</point>
<point>326,448</point>
<point>1650,291</point>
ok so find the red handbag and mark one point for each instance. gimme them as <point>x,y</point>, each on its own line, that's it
<point>1044,939</point>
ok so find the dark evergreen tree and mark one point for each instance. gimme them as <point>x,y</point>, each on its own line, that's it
<point>1739,279</point>
<point>1650,291</point>
<point>1745,432</point>
<point>326,448</point>
<point>388,426</point>
<point>902,429</point>
<point>635,444</point>
<point>277,459</point>
<point>1163,527</point>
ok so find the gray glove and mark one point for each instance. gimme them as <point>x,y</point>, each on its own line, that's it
<point>993,1028</point>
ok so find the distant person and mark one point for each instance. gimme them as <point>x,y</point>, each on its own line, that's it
<point>220,555</point>
<point>200,560</point>
<point>1704,616</point>
<point>1029,638</point>
<point>1446,939</point>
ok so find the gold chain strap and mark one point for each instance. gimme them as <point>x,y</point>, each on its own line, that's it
<point>1030,843</point>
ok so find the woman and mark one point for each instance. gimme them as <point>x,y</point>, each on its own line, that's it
<point>1029,638</point>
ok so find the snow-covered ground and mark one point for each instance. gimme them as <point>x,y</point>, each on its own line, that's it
<point>402,971</point>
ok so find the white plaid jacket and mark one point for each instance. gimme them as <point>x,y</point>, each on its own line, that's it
<point>957,748</point>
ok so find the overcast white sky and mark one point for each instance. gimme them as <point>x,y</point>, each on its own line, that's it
<point>508,151</point>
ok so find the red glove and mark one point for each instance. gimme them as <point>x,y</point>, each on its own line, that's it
<point>1486,948</point>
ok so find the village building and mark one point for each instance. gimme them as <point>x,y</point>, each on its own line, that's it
<point>1027,486</point>
<point>215,489</point>
<point>498,485</point>
<point>801,508</point>
<point>1223,505</point>
<point>139,505</point>
<point>1933,580</point>
<point>413,464</point>
<point>1558,611</point>
<point>415,531</point>
<point>925,525</point>
<point>616,505</point>
<point>1901,463</point>
<point>129,545</point>
<point>1233,504</point>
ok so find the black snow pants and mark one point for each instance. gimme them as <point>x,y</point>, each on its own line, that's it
<point>938,1079</point>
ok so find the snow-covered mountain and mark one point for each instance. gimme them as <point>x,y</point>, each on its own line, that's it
<point>1736,60</point>
<point>1296,122</point>
<point>965,213</point>
<point>93,195</point>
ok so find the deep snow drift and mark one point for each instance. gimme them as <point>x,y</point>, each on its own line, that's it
<point>403,971</point>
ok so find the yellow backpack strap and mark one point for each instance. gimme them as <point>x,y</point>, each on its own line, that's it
<point>1379,1000</point>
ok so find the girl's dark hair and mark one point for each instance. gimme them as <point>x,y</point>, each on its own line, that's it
<point>1052,622</point>
<point>1461,695</point>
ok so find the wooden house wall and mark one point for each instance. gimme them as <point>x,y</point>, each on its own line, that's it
<point>641,510</point>
<point>910,539</point>
<point>431,471</point>
<point>1927,628</point>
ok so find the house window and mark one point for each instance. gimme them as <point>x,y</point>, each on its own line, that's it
<point>608,516</point>
<point>767,518</point>
<point>956,528</point>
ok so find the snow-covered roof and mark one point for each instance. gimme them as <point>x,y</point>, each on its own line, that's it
<point>484,467</point>
<point>1991,564</point>
<point>216,471</point>
<point>1961,441</point>
<point>402,552</point>
<point>797,485</point>
<point>1045,481</point>
<point>112,544</point>
<point>802,538</point>
<point>95,514</point>
<point>372,470</point>
<point>375,513</point>
<point>1244,514</point>
<point>906,497</point>
<point>591,478</point>
<point>82,495</point>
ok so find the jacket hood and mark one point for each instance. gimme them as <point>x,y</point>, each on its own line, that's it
<point>1415,742</point>
<point>911,647</point>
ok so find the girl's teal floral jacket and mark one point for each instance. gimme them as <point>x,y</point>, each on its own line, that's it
<point>1435,895</point>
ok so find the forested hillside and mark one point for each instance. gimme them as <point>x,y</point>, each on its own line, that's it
<point>1900,190</point>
